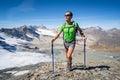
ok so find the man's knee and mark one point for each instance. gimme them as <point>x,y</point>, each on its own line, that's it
<point>68,56</point>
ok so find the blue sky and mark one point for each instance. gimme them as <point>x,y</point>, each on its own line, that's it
<point>104,13</point>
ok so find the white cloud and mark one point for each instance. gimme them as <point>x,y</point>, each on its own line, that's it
<point>17,59</point>
<point>25,6</point>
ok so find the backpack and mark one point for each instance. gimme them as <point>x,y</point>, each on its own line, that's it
<point>75,28</point>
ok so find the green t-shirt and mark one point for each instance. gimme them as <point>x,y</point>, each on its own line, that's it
<point>68,30</point>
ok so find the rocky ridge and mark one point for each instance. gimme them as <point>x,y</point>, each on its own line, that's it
<point>100,71</point>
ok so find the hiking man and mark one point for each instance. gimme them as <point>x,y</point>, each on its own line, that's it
<point>69,30</point>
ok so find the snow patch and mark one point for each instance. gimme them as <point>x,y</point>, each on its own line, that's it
<point>17,73</point>
<point>21,72</point>
<point>13,72</point>
<point>45,32</point>
<point>11,40</point>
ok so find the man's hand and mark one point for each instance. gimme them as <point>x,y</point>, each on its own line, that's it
<point>55,37</point>
<point>52,40</point>
<point>84,38</point>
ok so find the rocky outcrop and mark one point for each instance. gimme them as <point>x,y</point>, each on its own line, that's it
<point>8,47</point>
<point>79,72</point>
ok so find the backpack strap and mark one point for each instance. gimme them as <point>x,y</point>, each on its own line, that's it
<point>75,28</point>
<point>63,29</point>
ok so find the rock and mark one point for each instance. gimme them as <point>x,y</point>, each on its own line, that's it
<point>44,72</point>
<point>118,77</point>
<point>32,79</point>
<point>44,77</point>
<point>107,78</point>
<point>78,71</point>
<point>1,76</point>
<point>63,78</point>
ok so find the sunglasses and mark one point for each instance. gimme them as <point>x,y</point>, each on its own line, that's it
<point>68,15</point>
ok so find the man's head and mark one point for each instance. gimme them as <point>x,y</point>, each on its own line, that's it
<point>68,15</point>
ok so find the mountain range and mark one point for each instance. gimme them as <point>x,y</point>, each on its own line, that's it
<point>108,37</point>
<point>99,37</point>
<point>25,54</point>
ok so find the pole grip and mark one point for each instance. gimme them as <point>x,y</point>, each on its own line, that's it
<point>52,49</point>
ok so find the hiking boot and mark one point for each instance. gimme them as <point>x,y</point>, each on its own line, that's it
<point>69,67</point>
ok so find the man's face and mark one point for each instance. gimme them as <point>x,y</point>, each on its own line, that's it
<point>68,16</point>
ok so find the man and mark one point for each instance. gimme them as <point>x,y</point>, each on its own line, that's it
<point>69,30</point>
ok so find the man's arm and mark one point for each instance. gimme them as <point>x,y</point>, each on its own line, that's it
<point>82,34</point>
<point>57,35</point>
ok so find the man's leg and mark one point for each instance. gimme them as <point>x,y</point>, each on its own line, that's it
<point>69,57</point>
<point>69,54</point>
<point>69,50</point>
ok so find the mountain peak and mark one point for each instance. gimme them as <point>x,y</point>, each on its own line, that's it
<point>95,27</point>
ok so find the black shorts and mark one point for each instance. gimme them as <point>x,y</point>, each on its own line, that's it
<point>68,45</point>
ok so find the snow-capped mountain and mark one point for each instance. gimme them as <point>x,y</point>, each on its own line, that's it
<point>21,32</point>
<point>15,47</point>
<point>9,43</point>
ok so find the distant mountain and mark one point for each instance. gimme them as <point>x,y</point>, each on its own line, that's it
<point>13,38</point>
<point>97,32</point>
<point>96,35</point>
<point>109,37</point>
<point>21,32</point>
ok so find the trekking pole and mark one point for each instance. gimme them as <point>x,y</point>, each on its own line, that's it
<point>85,53</point>
<point>52,60</point>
